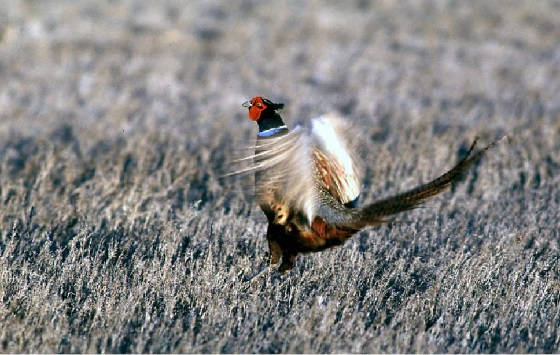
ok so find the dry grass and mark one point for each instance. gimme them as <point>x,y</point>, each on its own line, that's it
<point>117,119</point>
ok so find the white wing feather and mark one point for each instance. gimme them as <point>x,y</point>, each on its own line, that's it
<point>283,166</point>
<point>287,167</point>
<point>327,137</point>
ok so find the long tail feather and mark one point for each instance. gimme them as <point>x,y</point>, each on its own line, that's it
<point>378,212</point>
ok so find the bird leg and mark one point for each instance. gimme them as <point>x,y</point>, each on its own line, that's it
<point>276,236</point>
<point>288,261</point>
<point>274,250</point>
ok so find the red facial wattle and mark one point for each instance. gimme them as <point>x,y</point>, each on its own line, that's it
<point>254,113</point>
<point>257,107</point>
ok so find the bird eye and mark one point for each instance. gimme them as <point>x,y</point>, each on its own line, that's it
<point>258,104</point>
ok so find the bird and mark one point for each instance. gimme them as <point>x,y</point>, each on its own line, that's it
<point>308,185</point>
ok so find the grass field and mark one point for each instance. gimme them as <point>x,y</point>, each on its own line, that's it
<point>117,119</point>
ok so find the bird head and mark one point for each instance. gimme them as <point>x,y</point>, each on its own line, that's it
<point>259,106</point>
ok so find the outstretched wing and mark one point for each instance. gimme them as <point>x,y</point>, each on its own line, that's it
<point>284,172</point>
<point>291,168</point>
<point>336,171</point>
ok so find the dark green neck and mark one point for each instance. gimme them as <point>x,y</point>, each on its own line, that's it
<point>269,120</point>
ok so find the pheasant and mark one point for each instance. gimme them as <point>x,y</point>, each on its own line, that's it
<point>308,186</point>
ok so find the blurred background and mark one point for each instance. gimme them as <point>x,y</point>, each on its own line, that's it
<point>124,65</point>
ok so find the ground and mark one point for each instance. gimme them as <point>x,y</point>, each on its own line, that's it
<point>118,119</point>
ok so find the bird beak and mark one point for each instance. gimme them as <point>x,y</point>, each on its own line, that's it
<point>247,104</point>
